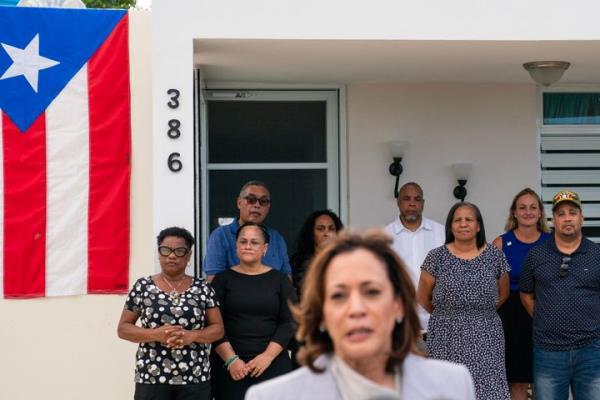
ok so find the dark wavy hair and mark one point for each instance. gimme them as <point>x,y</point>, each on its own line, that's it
<point>177,232</point>
<point>480,238</point>
<point>309,313</point>
<point>305,243</point>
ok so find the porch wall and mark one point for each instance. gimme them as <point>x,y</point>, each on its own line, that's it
<point>67,348</point>
<point>492,126</point>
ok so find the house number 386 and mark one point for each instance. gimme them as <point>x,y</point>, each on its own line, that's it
<point>174,130</point>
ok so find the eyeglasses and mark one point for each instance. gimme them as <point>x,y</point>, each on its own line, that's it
<point>166,251</point>
<point>252,243</point>
<point>263,201</point>
<point>564,267</point>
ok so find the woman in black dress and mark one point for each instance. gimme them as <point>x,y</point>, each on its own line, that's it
<point>258,324</point>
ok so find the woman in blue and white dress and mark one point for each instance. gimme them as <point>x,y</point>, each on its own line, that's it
<point>462,284</point>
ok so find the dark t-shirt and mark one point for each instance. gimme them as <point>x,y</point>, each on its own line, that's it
<point>566,314</point>
<point>255,310</point>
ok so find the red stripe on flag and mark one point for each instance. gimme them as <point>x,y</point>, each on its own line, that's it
<point>24,209</point>
<point>110,164</point>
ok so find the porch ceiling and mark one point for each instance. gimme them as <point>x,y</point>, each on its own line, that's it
<point>371,61</point>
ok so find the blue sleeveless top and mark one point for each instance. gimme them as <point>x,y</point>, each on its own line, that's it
<point>515,252</point>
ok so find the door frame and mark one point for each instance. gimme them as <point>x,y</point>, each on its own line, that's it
<point>336,120</point>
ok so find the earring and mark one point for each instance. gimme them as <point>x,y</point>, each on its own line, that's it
<point>399,319</point>
<point>322,328</point>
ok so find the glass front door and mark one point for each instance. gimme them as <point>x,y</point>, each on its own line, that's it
<point>287,139</point>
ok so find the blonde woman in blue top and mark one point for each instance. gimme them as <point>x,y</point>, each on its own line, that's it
<point>525,228</point>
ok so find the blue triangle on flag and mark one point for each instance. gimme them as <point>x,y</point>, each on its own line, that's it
<point>66,37</point>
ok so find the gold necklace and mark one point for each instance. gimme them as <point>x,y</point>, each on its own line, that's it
<point>174,293</point>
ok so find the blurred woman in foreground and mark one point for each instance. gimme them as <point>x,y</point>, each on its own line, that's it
<point>358,321</point>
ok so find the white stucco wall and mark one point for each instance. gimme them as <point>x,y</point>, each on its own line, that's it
<point>178,22</point>
<point>172,63</point>
<point>67,348</point>
<point>492,126</point>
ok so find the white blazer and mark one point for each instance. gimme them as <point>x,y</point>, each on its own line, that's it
<point>422,379</point>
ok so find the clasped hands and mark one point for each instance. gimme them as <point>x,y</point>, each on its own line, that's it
<point>174,336</point>
<point>255,367</point>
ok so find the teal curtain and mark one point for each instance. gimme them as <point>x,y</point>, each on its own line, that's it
<point>571,108</point>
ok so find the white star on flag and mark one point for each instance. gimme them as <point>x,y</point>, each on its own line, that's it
<point>27,62</point>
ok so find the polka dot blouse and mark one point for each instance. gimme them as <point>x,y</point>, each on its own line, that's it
<point>155,363</point>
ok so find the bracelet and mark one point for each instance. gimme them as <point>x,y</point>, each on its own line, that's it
<point>230,361</point>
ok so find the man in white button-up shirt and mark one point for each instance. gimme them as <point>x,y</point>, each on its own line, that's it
<point>414,235</point>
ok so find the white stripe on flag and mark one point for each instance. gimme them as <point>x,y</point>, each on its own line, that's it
<point>67,174</point>
<point>1,210</point>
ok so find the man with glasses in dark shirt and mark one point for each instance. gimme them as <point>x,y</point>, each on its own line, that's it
<point>560,288</point>
<point>254,203</point>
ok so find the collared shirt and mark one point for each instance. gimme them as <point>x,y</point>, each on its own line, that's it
<point>355,386</point>
<point>566,314</point>
<point>413,247</point>
<point>221,252</point>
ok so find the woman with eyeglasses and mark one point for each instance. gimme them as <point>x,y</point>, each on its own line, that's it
<point>254,301</point>
<point>525,228</point>
<point>179,318</point>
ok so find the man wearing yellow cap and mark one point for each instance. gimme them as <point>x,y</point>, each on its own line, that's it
<point>560,288</point>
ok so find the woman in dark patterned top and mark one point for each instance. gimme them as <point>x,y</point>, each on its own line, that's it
<point>179,318</point>
<point>254,300</point>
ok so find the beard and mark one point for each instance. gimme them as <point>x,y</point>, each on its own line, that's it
<point>411,218</point>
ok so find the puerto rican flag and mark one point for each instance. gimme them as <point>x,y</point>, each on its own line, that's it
<point>65,152</point>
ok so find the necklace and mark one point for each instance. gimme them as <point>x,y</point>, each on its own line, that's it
<point>174,293</point>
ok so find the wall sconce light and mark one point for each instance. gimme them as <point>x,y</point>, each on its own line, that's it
<point>397,149</point>
<point>461,172</point>
<point>546,73</point>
